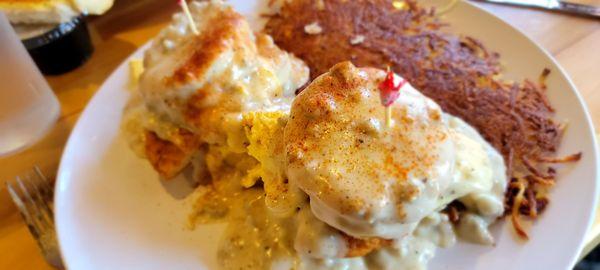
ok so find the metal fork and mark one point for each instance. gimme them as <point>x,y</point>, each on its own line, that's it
<point>32,194</point>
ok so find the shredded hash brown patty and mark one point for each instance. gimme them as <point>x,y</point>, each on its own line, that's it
<point>458,72</point>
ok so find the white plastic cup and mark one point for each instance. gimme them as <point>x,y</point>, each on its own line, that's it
<point>28,107</point>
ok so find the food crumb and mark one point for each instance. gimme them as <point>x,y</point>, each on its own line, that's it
<point>357,40</point>
<point>320,5</point>
<point>313,28</point>
<point>168,45</point>
<point>399,5</point>
<point>136,67</point>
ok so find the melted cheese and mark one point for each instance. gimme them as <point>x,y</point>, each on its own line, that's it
<point>38,12</point>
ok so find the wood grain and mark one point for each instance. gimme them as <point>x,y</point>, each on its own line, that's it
<point>572,40</point>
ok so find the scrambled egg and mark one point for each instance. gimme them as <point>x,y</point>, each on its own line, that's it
<point>264,131</point>
<point>262,134</point>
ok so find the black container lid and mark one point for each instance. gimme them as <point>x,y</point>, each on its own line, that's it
<point>62,49</point>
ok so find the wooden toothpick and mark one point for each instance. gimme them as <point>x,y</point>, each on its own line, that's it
<point>388,116</point>
<point>187,13</point>
<point>389,92</point>
<point>388,110</point>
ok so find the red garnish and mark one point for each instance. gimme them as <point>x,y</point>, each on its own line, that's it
<point>388,90</point>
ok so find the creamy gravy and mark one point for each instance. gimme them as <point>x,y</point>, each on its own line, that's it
<point>371,181</point>
<point>272,225</point>
<point>256,239</point>
<point>204,83</point>
<point>287,215</point>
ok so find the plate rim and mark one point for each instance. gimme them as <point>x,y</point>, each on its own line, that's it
<point>588,120</point>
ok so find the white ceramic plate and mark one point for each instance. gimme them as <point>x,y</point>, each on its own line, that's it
<point>114,213</point>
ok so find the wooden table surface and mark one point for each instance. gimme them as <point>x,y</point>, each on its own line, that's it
<point>573,41</point>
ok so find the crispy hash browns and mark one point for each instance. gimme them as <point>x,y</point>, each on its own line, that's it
<point>458,72</point>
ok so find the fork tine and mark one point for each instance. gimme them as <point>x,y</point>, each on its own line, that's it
<point>34,209</point>
<point>37,181</point>
<point>45,185</point>
<point>39,198</point>
<point>32,195</point>
<point>23,210</point>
